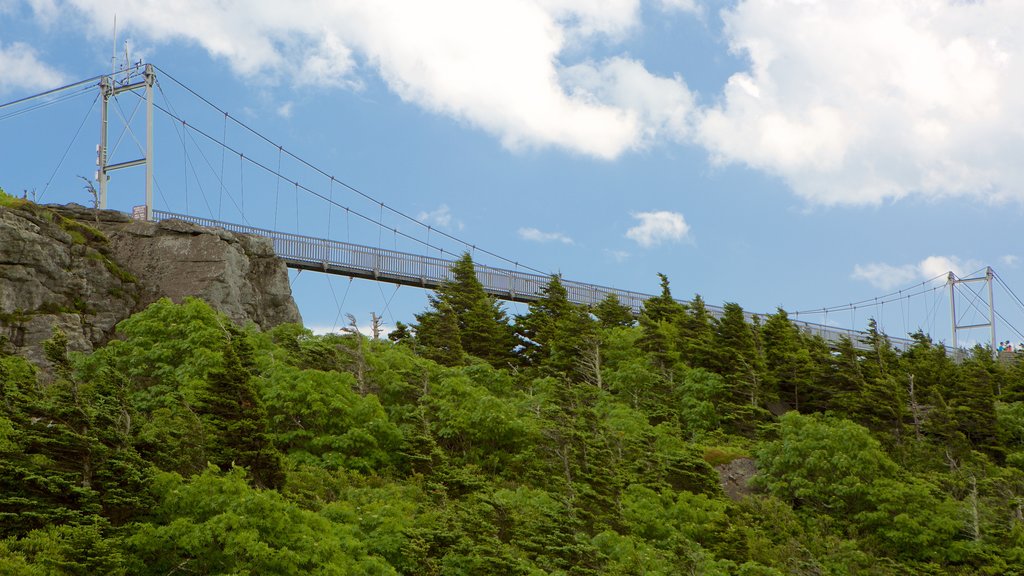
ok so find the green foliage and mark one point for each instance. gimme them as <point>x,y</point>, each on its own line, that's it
<point>482,326</point>
<point>219,524</point>
<point>316,417</point>
<point>824,464</point>
<point>612,314</point>
<point>189,445</point>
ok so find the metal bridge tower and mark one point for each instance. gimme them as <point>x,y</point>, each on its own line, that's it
<point>109,89</point>
<point>952,281</point>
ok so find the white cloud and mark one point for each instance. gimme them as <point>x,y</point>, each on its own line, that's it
<point>21,69</point>
<point>658,227</point>
<point>285,110</point>
<point>847,102</point>
<point>497,65</point>
<point>1010,260</point>
<point>535,235</point>
<point>889,277</point>
<point>659,107</point>
<point>861,102</point>
<point>440,218</point>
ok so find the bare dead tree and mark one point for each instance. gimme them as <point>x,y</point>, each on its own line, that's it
<point>95,198</point>
<point>360,366</point>
<point>376,325</point>
<point>588,362</point>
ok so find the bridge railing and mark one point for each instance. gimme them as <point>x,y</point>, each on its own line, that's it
<point>431,272</point>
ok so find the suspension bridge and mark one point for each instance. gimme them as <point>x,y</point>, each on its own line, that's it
<point>514,282</point>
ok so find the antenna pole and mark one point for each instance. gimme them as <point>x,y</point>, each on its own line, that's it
<point>113,50</point>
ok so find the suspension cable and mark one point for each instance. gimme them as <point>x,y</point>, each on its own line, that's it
<point>395,211</point>
<point>49,92</point>
<point>885,298</point>
<point>68,149</point>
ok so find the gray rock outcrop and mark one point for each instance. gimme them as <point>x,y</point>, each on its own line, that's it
<point>84,271</point>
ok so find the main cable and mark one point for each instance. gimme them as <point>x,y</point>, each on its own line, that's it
<point>259,135</point>
<point>875,300</point>
<point>271,171</point>
<point>49,92</point>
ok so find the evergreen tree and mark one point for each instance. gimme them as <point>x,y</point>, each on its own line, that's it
<point>235,420</point>
<point>483,328</point>
<point>401,333</point>
<point>696,333</point>
<point>973,403</point>
<point>438,337</point>
<point>538,329</point>
<point>787,360</point>
<point>659,322</point>
<point>559,335</point>
<point>736,356</point>
<point>612,313</point>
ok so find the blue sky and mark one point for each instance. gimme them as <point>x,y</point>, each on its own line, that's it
<point>785,153</point>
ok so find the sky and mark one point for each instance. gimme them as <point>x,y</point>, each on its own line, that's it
<point>793,153</point>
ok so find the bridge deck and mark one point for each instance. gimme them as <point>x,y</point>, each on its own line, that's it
<point>358,261</point>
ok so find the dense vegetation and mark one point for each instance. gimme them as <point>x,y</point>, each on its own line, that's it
<point>565,441</point>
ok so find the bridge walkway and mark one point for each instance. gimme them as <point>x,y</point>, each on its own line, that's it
<point>391,266</point>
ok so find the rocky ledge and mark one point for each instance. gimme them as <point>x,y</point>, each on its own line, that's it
<point>85,270</point>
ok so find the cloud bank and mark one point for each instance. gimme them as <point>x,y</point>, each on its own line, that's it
<point>890,277</point>
<point>21,69</point>
<point>860,102</point>
<point>847,102</point>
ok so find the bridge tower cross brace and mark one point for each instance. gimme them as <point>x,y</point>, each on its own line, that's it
<point>109,89</point>
<point>952,281</point>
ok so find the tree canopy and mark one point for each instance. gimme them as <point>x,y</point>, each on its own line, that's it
<point>565,441</point>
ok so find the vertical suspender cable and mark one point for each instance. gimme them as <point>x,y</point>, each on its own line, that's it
<point>223,150</point>
<point>241,184</point>
<point>184,154</point>
<point>277,189</point>
<point>330,207</point>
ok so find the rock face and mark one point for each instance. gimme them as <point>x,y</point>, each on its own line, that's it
<point>61,267</point>
<point>735,477</point>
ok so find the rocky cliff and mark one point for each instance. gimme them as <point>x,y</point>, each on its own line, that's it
<point>84,271</point>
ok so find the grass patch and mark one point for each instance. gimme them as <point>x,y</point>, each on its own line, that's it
<point>113,267</point>
<point>719,455</point>
<point>14,318</point>
<point>80,232</point>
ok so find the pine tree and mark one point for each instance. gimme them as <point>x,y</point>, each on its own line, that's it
<point>696,333</point>
<point>612,313</point>
<point>787,360</point>
<point>559,335</point>
<point>438,337</point>
<point>974,402</point>
<point>401,333</point>
<point>235,420</point>
<point>659,322</point>
<point>538,329</point>
<point>483,326</point>
<point>737,359</point>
